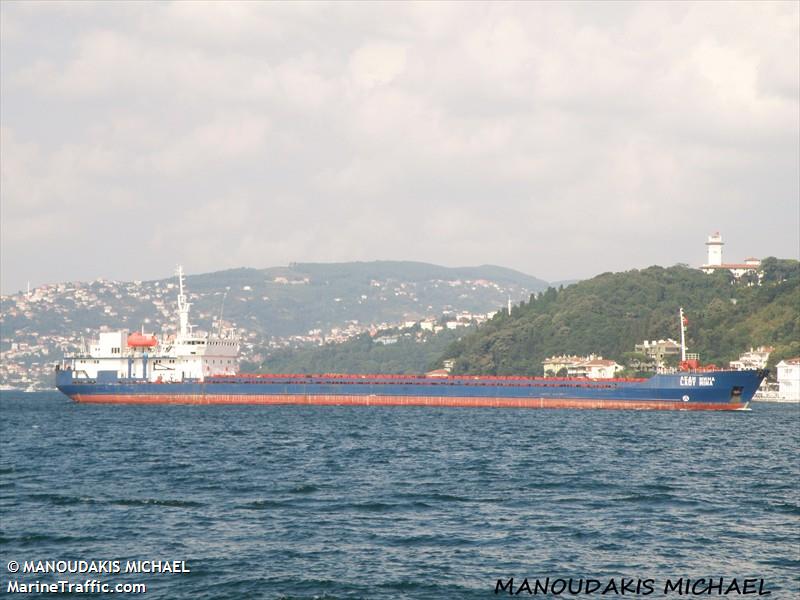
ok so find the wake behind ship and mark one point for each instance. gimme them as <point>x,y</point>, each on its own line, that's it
<point>190,368</point>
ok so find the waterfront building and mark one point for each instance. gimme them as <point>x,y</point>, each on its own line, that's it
<point>595,368</point>
<point>592,366</point>
<point>789,379</point>
<point>556,364</point>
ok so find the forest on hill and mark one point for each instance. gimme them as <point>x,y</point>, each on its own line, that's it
<point>412,351</point>
<point>612,312</point>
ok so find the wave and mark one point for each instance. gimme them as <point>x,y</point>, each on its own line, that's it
<point>62,500</point>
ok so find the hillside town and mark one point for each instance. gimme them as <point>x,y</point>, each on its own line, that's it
<point>42,324</point>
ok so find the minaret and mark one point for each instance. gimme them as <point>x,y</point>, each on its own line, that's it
<point>509,304</point>
<point>715,244</point>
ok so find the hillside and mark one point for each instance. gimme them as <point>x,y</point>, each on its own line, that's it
<point>277,301</point>
<point>414,351</point>
<point>277,307</point>
<point>292,300</point>
<point>612,312</point>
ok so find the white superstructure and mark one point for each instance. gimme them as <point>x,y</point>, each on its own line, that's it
<point>136,355</point>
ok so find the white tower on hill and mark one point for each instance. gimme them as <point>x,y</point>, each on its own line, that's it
<point>715,244</point>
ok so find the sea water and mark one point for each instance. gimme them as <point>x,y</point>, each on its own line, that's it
<point>391,502</point>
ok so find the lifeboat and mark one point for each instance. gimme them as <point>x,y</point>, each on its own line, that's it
<point>140,340</point>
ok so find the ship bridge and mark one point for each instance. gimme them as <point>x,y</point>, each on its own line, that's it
<point>137,355</point>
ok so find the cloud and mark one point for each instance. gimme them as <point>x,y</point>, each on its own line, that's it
<point>562,139</point>
<point>226,138</point>
<point>377,64</point>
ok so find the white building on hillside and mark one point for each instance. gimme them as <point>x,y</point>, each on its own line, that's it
<point>592,366</point>
<point>715,243</point>
<point>555,364</point>
<point>789,379</point>
<point>595,368</point>
<point>754,359</point>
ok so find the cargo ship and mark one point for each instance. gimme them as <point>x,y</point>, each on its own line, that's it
<point>202,368</point>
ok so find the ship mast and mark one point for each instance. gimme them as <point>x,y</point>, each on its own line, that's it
<point>683,335</point>
<point>183,306</point>
<point>219,325</point>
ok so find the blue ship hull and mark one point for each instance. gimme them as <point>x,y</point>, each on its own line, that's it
<point>701,390</point>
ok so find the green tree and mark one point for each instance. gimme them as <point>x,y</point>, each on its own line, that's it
<point>612,312</point>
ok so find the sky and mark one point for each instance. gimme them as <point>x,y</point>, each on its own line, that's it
<point>560,139</point>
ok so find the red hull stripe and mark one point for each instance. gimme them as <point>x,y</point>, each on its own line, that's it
<point>333,400</point>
